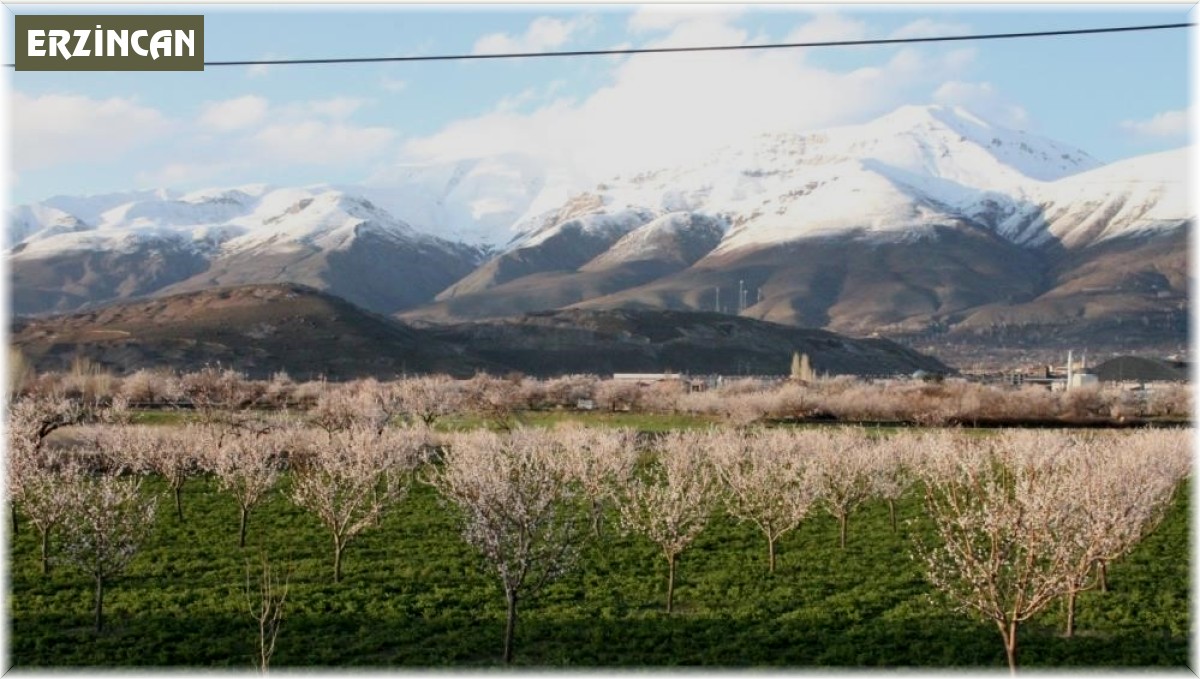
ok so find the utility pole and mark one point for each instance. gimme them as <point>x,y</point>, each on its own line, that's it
<point>718,299</point>
<point>741,295</point>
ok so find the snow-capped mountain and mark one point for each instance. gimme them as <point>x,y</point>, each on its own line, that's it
<point>913,168</point>
<point>236,218</point>
<point>134,244</point>
<point>921,219</point>
<point>1138,196</point>
<point>901,224</point>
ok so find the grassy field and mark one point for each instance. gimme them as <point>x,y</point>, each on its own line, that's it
<point>641,421</point>
<point>413,594</point>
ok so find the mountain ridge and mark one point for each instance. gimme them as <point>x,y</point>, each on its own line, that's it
<point>264,329</point>
<point>927,219</point>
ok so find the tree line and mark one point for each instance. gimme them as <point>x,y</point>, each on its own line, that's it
<point>738,400</point>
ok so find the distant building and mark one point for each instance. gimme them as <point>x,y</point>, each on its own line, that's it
<point>1078,375</point>
<point>1079,380</point>
<point>646,379</point>
<point>1072,375</point>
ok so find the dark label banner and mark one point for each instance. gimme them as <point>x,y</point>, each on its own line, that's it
<point>110,42</point>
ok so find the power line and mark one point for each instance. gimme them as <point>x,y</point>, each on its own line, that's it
<point>707,48</point>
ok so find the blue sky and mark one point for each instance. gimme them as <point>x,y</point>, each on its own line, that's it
<point>1114,96</point>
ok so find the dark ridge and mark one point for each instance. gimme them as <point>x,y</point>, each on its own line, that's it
<point>262,329</point>
<point>1139,369</point>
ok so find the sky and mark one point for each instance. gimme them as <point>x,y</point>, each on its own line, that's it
<point>1113,96</point>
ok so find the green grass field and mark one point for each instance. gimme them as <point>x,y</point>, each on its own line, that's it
<point>414,594</point>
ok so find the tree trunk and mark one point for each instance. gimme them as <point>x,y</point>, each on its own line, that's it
<point>45,551</point>
<point>510,626</point>
<point>1009,635</point>
<point>670,581</point>
<point>242,528</point>
<point>842,520</point>
<point>262,646</point>
<point>179,502</point>
<point>337,560</point>
<point>12,511</point>
<point>892,513</point>
<point>771,555</point>
<point>99,604</point>
<point>1103,575</point>
<point>1071,596</point>
<point>265,659</point>
<point>597,509</point>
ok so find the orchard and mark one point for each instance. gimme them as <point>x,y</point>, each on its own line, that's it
<point>360,533</point>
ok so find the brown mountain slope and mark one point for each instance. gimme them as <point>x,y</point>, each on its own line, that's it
<point>72,279</point>
<point>552,275</point>
<point>259,329</point>
<point>850,285</point>
<point>1116,279</point>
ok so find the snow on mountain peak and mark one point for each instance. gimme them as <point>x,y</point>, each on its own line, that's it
<point>231,218</point>
<point>930,115</point>
<point>321,217</point>
<point>239,194</point>
<point>913,168</point>
<point>907,170</point>
<point>952,143</point>
<point>1131,197</point>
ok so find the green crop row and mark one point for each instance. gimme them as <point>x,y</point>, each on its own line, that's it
<point>414,594</point>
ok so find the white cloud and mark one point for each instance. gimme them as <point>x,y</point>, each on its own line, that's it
<point>659,110</point>
<point>245,138</point>
<point>62,128</point>
<point>928,28</point>
<point>529,95</point>
<point>233,114</point>
<point>616,47</point>
<point>185,173</point>
<point>959,59</point>
<point>239,146</point>
<point>322,143</point>
<point>983,99</point>
<point>248,111</point>
<point>708,28</point>
<point>174,174</point>
<point>337,108</point>
<point>1168,124</point>
<point>828,28</point>
<point>544,33</point>
<point>650,18</point>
